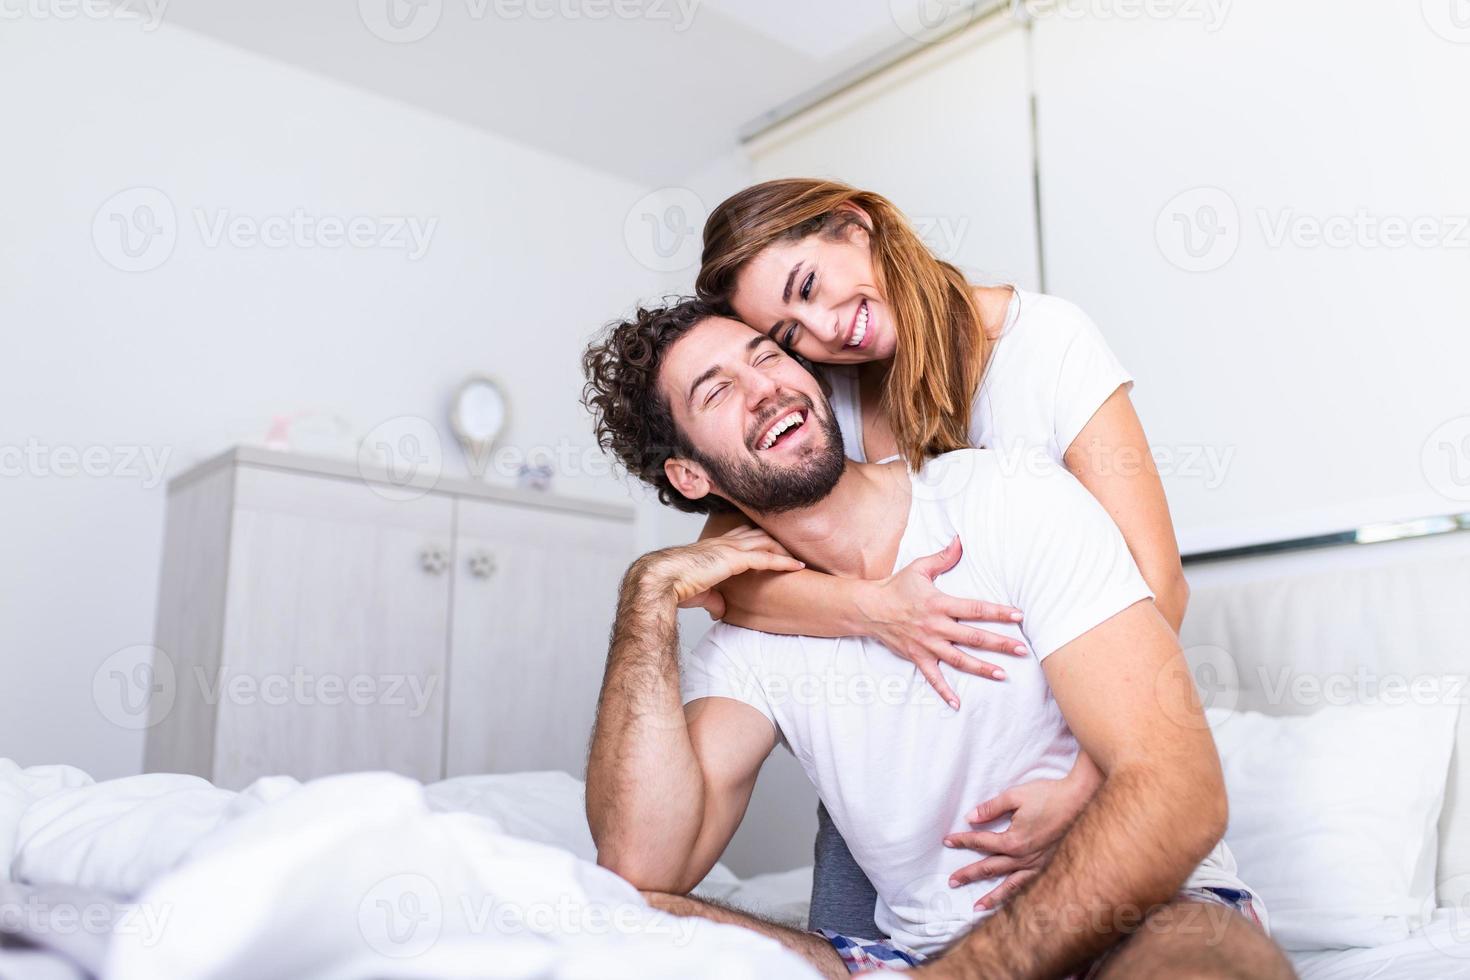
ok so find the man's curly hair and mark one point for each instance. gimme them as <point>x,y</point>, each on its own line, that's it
<point>632,418</point>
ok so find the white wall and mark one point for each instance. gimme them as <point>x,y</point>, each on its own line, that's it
<point>1324,374</point>
<point>946,136</point>
<point>1289,389</point>
<point>528,258</point>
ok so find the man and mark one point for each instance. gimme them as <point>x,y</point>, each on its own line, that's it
<point>714,414</point>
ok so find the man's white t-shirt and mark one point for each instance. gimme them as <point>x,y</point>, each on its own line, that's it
<point>895,766</point>
<point>1049,372</point>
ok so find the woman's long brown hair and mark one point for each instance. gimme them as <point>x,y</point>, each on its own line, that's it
<point>941,345</point>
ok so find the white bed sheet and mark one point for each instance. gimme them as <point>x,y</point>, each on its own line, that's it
<point>357,876</point>
<point>1439,951</point>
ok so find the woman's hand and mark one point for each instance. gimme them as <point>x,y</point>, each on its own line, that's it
<point>908,614</point>
<point>1041,811</point>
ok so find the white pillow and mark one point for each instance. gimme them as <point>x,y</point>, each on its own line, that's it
<point>1333,817</point>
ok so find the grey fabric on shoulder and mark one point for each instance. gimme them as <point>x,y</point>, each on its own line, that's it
<point>843,899</point>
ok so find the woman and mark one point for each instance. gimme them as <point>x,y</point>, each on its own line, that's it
<point>922,362</point>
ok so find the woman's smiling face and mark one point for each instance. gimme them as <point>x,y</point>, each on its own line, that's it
<point>818,296</point>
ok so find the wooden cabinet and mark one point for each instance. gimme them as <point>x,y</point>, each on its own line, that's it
<point>316,621</point>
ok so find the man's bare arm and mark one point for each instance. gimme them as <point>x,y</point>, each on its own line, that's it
<point>1125,692</point>
<point>664,793</point>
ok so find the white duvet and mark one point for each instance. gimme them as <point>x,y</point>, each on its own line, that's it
<point>364,875</point>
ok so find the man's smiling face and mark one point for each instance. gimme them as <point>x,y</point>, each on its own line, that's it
<point>762,432</point>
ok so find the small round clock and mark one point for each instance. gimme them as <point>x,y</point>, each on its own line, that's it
<point>478,415</point>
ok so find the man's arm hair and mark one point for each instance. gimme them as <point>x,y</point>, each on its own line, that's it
<point>1126,693</point>
<point>666,789</point>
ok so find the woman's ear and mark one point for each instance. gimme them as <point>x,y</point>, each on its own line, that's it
<point>688,477</point>
<point>857,232</point>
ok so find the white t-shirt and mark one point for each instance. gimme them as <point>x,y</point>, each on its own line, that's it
<point>1049,372</point>
<point>896,767</point>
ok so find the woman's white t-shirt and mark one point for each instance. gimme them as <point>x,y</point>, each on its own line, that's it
<point>1050,371</point>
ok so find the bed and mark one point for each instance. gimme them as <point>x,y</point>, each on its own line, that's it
<point>375,875</point>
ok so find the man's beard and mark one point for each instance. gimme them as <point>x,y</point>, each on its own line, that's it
<point>761,488</point>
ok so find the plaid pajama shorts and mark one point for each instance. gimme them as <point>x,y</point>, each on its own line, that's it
<point>860,955</point>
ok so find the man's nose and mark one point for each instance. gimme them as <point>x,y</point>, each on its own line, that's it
<point>759,388</point>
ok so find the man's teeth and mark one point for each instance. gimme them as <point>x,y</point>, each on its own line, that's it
<point>860,332</point>
<point>776,430</point>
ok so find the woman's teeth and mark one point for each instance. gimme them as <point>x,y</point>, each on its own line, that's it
<point>779,428</point>
<point>860,332</point>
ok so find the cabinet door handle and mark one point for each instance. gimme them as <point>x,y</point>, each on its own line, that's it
<point>433,560</point>
<point>482,564</point>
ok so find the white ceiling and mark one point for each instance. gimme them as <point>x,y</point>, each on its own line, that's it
<point>651,97</point>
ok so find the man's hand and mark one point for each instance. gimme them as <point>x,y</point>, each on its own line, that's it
<point>689,571</point>
<point>667,787</point>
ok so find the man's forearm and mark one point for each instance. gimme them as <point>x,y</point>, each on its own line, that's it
<point>1131,849</point>
<point>645,791</point>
